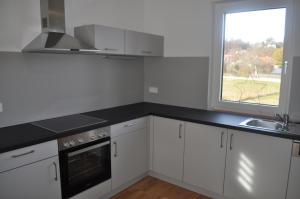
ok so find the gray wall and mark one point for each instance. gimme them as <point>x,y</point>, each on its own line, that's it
<point>295,92</point>
<point>181,81</point>
<point>39,86</point>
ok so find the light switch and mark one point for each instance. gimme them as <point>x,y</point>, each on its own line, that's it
<point>1,107</point>
<point>153,90</point>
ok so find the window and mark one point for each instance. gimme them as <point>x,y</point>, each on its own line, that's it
<point>249,60</point>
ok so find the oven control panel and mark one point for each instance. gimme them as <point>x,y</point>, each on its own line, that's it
<point>83,138</point>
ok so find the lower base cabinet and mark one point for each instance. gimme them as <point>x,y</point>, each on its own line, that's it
<point>168,147</point>
<point>129,157</point>
<point>257,166</point>
<point>33,181</point>
<point>204,156</point>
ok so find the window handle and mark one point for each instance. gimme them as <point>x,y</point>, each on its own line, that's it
<point>286,65</point>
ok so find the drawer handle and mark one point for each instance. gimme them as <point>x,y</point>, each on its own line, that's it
<point>111,49</point>
<point>129,125</point>
<point>55,168</point>
<point>22,154</point>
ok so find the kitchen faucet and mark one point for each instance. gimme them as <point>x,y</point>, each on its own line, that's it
<point>284,119</point>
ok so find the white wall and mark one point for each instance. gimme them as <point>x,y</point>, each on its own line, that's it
<point>20,19</point>
<point>297,27</point>
<point>128,14</point>
<point>186,25</point>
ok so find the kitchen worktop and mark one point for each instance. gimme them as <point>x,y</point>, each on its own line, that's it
<point>18,136</point>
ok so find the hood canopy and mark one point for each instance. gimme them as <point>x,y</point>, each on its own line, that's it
<point>53,38</point>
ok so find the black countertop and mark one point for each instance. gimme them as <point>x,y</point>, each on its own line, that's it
<point>18,136</point>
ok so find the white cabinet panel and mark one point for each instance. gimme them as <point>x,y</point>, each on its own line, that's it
<point>129,157</point>
<point>257,166</point>
<point>204,157</point>
<point>168,147</point>
<point>34,181</point>
<point>294,180</point>
<point>27,155</point>
<point>107,39</point>
<point>143,44</point>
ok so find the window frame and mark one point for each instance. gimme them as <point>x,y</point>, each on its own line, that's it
<point>216,67</point>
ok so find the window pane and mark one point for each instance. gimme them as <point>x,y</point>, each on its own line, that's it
<point>253,56</point>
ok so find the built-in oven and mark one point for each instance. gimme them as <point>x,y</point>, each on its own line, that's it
<point>84,161</point>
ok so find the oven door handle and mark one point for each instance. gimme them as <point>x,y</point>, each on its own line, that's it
<point>88,148</point>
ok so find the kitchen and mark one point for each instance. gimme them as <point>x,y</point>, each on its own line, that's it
<point>138,96</point>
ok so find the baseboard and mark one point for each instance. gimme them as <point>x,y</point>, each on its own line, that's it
<point>186,186</point>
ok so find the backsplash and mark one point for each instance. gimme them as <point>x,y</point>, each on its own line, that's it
<point>181,81</point>
<point>41,86</point>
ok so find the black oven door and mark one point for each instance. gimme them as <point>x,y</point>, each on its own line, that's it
<point>84,166</point>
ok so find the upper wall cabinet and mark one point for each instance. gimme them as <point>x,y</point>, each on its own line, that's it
<point>117,41</point>
<point>143,44</point>
<point>107,39</point>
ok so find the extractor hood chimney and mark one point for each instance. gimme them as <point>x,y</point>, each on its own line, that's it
<point>53,38</point>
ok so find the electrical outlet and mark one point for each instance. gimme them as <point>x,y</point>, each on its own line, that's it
<point>1,107</point>
<point>153,90</point>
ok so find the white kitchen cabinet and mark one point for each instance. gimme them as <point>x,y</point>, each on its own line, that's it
<point>294,179</point>
<point>204,156</point>
<point>129,151</point>
<point>40,179</point>
<point>108,40</point>
<point>257,166</point>
<point>168,147</point>
<point>143,44</point>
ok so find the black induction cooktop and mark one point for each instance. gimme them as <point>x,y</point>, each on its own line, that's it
<point>67,123</point>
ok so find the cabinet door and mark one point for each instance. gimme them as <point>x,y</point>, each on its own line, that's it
<point>37,180</point>
<point>107,39</point>
<point>168,147</point>
<point>204,156</point>
<point>137,43</point>
<point>129,157</point>
<point>257,166</point>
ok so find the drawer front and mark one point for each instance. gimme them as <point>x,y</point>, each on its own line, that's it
<point>27,155</point>
<point>129,126</point>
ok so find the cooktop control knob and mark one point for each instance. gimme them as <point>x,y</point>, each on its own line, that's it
<point>72,143</point>
<point>66,144</point>
<point>92,137</point>
<point>80,140</point>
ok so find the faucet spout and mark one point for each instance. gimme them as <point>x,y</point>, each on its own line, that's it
<point>285,119</point>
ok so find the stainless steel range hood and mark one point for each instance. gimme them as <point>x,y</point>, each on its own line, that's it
<point>53,38</point>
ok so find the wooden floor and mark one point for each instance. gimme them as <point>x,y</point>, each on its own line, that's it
<point>152,188</point>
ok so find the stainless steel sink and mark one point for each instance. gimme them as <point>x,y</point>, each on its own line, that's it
<point>270,125</point>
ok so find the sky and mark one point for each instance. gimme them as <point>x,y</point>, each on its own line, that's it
<point>256,26</point>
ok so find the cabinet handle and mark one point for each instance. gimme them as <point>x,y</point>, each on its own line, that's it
<point>180,129</point>
<point>231,138</point>
<point>129,125</point>
<point>22,154</point>
<point>111,49</point>
<point>222,135</point>
<point>146,52</point>
<point>116,149</point>
<point>55,168</point>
